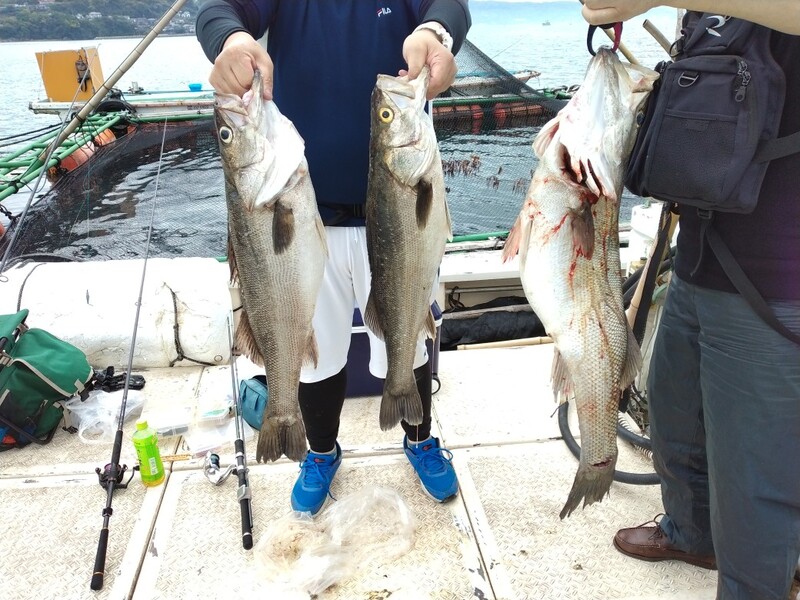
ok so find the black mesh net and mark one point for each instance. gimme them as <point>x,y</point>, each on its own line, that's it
<point>102,209</point>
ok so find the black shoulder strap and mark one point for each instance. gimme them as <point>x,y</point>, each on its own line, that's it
<point>745,286</point>
<point>778,148</point>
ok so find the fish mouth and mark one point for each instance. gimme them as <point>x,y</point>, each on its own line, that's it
<point>231,109</point>
<point>395,86</point>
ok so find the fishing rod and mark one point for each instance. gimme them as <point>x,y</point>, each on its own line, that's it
<point>243,491</point>
<point>134,55</point>
<point>110,477</point>
<point>211,465</point>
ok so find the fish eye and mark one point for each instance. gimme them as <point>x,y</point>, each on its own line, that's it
<point>225,134</point>
<point>386,114</point>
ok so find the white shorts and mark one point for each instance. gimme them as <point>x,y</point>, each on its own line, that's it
<point>345,286</point>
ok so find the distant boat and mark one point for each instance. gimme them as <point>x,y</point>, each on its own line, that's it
<point>546,23</point>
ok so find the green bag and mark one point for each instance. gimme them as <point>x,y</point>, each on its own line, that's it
<point>37,372</point>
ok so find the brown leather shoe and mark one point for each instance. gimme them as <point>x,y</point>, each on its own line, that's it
<point>648,542</point>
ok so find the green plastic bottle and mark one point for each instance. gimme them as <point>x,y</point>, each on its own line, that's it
<point>146,443</point>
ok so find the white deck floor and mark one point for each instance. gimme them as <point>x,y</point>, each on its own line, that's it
<point>501,538</point>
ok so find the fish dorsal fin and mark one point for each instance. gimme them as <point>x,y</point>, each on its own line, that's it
<point>234,269</point>
<point>633,361</point>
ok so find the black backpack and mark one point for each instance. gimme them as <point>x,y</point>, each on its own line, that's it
<point>711,125</point>
<point>710,129</point>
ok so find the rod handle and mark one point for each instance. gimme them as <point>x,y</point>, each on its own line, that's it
<point>247,524</point>
<point>100,561</point>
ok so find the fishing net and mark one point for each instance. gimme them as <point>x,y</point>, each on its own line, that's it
<point>102,209</point>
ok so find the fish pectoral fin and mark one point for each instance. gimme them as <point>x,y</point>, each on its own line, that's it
<point>546,136</point>
<point>282,227</point>
<point>583,230</point>
<point>512,245</point>
<point>424,202</point>
<point>371,318</point>
<point>561,380</point>
<point>245,341</point>
<point>633,361</point>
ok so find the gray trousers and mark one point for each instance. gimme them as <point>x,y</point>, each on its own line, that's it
<point>724,394</point>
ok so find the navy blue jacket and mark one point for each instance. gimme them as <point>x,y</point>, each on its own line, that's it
<point>327,54</point>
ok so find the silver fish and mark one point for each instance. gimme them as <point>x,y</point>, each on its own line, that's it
<point>408,225</point>
<point>567,236</point>
<point>277,251</point>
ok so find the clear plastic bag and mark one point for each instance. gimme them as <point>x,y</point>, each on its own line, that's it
<point>301,553</point>
<point>97,417</point>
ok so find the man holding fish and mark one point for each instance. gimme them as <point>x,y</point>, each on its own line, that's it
<point>724,387</point>
<point>320,66</point>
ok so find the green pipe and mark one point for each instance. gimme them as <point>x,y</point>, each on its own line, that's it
<point>480,237</point>
<point>171,119</point>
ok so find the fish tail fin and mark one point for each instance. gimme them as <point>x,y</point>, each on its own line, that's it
<point>403,405</point>
<point>294,439</point>
<point>511,247</point>
<point>592,483</point>
<point>279,436</point>
<point>371,319</point>
<point>633,361</point>
<point>246,342</point>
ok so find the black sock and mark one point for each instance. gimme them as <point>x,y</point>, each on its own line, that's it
<point>423,430</point>
<point>321,404</point>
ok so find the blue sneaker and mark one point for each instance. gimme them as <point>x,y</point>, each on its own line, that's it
<point>314,483</point>
<point>434,467</point>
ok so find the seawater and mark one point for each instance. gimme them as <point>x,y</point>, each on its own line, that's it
<point>548,37</point>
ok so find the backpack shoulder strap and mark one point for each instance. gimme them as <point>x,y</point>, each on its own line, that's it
<point>745,286</point>
<point>778,148</point>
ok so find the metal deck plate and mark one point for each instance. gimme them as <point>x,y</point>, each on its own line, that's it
<point>501,538</point>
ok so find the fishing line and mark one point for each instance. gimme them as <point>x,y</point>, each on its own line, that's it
<point>15,137</point>
<point>515,43</point>
<point>112,474</point>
